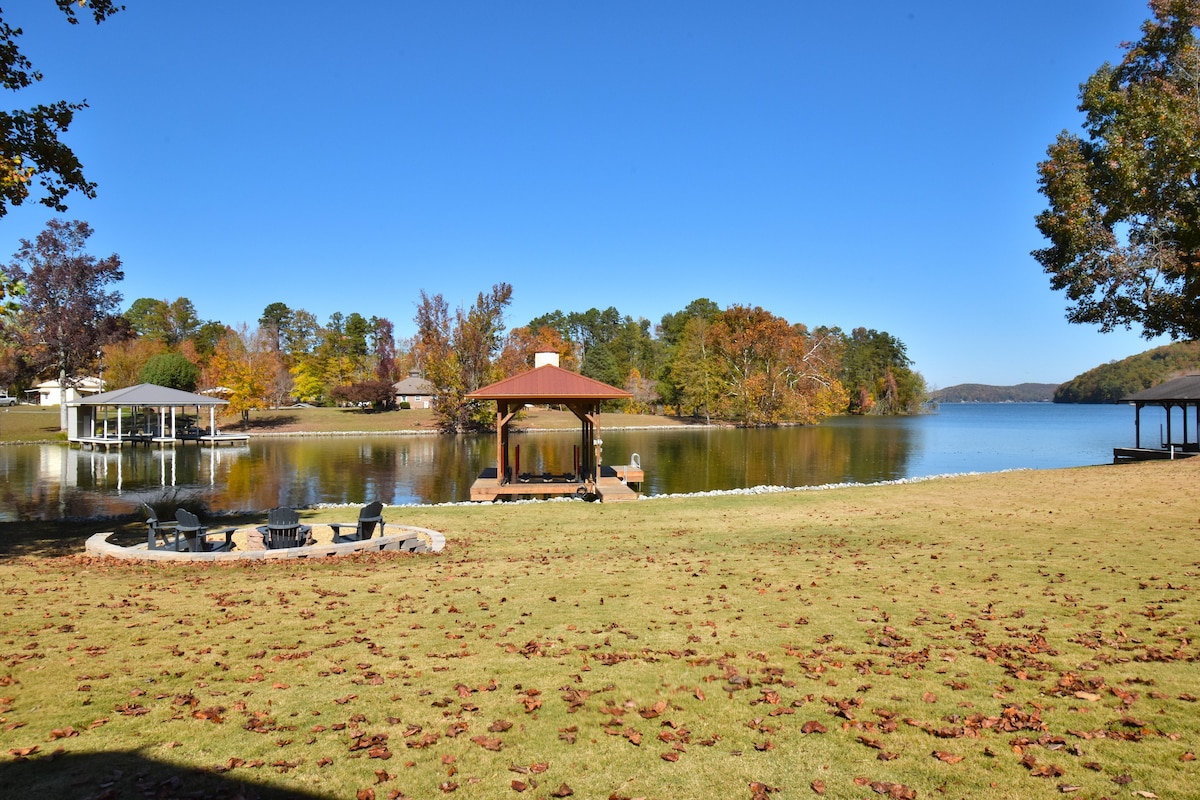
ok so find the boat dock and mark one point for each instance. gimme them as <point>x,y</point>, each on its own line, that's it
<point>612,487</point>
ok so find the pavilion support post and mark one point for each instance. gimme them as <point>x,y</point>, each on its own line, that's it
<point>504,415</point>
<point>1183,408</point>
<point>501,443</point>
<point>1137,425</point>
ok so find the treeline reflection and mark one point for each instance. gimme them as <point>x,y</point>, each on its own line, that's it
<point>53,482</point>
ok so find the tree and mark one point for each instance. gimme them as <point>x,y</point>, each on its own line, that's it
<point>124,361</point>
<point>695,372</point>
<point>478,336</point>
<point>878,374</point>
<point>522,344</point>
<point>644,393</point>
<point>772,371</point>
<point>378,395</point>
<point>274,320</point>
<point>460,357</point>
<point>67,303</point>
<point>246,367</point>
<point>29,139</point>
<point>1124,202</point>
<point>301,334</point>
<point>383,349</point>
<point>172,370</point>
<point>170,323</point>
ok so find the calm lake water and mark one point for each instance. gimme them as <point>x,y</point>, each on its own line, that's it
<point>52,481</point>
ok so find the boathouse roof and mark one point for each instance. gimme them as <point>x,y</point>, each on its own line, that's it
<point>1185,389</point>
<point>549,383</point>
<point>151,394</point>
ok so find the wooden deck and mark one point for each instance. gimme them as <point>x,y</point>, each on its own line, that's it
<point>107,442</point>
<point>1149,454</point>
<point>609,489</point>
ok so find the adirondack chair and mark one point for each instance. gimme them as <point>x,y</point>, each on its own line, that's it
<point>283,529</point>
<point>160,535</point>
<point>370,516</point>
<point>193,536</point>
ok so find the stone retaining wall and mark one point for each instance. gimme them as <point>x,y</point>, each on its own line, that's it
<point>411,538</point>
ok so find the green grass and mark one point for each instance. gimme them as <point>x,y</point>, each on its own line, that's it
<point>842,637</point>
<point>30,424</point>
<point>37,424</point>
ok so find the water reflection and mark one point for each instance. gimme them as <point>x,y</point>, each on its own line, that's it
<point>52,481</point>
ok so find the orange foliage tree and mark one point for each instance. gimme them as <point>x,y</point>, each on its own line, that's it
<point>773,371</point>
<point>522,344</point>
<point>246,367</point>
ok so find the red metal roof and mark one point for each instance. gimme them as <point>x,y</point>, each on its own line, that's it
<point>547,383</point>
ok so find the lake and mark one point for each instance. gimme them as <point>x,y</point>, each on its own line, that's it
<point>53,481</point>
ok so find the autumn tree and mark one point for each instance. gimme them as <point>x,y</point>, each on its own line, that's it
<point>66,309</point>
<point>478,336</point>
<point>644,393</point>
<point>123,361</point>
<point>30,148</point>
<point>774,371</point>
<point>377,395</point>
<point>1124,199</point>
<point>460,357</point>
<point>523,343</point>
<point>435,357</point>
<point>245,367</point>
<point>383,349</point>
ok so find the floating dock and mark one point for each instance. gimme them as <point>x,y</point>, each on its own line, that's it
<point>612,487</point>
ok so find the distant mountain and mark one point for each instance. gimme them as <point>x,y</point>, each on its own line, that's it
<point>982,393</point>
<point>1108,383</point>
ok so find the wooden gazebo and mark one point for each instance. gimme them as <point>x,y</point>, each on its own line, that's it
<point>549,384</point>
<point>1182,393</point>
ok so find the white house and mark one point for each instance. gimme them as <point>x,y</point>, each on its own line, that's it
<point>49,393</point>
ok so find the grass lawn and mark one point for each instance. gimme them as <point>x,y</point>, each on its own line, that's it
<point>24,423</point>
<point>37,424</point>
<point>1025,634</point>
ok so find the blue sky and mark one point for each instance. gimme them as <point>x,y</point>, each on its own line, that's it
<point>871,165</point>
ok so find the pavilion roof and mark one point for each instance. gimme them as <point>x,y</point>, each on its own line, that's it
<point>150,394</point>
<point>1185,389</point>
<point>549,383</point>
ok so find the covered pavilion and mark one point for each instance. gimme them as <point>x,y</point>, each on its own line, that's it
<point>144,413</point>
<point>1182,393</point>
<point>550,384</point>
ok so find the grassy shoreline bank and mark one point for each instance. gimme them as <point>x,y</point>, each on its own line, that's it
<point>1023,634</point>
<point>34,424</point>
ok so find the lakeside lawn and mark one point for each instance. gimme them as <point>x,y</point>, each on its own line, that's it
<point>27,423</point>
<point>1024,634</point>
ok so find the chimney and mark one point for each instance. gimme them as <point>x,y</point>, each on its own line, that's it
<point>544,357</point>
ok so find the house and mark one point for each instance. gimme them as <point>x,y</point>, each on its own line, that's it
<point>414,390</point>
<point>49,393</point>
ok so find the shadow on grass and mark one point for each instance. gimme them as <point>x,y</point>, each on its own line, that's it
<point>41,538</point>
<point>264,423</point>
<point>126,773</point>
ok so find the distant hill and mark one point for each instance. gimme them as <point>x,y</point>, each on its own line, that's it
<point>982,393</point>
<point>1109,382</point>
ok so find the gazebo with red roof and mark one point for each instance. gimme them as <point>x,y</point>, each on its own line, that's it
<point>549,384</point>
